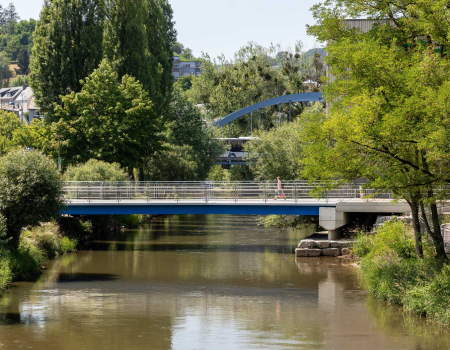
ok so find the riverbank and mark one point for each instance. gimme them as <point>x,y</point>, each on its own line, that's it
<point>392,272</point>
<point>37,246</point>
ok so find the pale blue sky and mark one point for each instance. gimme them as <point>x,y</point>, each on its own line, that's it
<point>223,26</point>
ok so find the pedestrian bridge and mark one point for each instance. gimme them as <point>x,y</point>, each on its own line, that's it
<point>238,198</point>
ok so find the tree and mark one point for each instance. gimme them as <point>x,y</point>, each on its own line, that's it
<point>37,135</point>
<point>5,72</point>
<point>110,119</point>
<point>177,48</point>
<point>96,170</point>
<point>277,151</point>
<point>31,191</point>
<point>8,123</point>
<point>185,82</point>
<point>66,49</point>
<point>161,34</point>
<point>138,42</point>
<point>253,76</point>
<point>387,107</point>
<point>20,80</point>
<point>173,163</point>
<point>23,61</point>
<point>189,150</point>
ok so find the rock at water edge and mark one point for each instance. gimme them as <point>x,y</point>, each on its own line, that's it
<point>331,252</point>
<point>302,252</point>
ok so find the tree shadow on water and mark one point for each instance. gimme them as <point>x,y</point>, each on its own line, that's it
<point>86,277</point>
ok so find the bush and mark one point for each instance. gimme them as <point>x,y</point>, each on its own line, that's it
<point>48,240</point>
<point>363,245</point>
<point>31,191</point>
<point>391,271</point>
<point>96,170</point>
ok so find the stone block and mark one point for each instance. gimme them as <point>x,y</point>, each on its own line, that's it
<point>346,251</point>
<point>331,252</point>
<point>341,244</point>
<point>305,252</point>
<point>308,243</point>
<point>323,244</point>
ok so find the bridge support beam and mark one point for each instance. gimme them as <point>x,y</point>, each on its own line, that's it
<point>333,221</point>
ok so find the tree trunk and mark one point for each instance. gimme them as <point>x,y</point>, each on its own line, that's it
<point>438,240</point>
<point>131,173</point>
<point>141,174</point>
<point>416,225</point>
<point>15,239</point>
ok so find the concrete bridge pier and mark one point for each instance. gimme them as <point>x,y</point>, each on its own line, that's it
<point>333,220</point>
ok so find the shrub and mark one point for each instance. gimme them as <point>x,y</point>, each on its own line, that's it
<point>31,191</point>
<point>363,245</point>
<point>96,170</point>
<point>391,271</point>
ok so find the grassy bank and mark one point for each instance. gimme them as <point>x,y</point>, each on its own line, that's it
<point>391,271</point>
<point>37,246</point>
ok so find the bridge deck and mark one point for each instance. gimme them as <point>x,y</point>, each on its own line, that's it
<point>167,207</point>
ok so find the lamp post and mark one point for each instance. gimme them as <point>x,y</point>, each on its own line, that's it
<point>59,153</point>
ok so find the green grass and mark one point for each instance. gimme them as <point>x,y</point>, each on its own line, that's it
<point>37,246</point>
<point>392,272</point>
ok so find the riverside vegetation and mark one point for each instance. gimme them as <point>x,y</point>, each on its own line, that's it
<point>392,271</point>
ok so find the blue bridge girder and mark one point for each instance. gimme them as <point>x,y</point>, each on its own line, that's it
<point>303,97</point>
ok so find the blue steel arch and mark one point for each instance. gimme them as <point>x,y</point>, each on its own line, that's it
<point>304,97</point>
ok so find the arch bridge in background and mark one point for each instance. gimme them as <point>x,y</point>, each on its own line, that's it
<point>303,97</point>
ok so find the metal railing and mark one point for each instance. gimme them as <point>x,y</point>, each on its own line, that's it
<point>205,191</point>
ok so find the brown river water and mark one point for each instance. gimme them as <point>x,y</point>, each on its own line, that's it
<point>204,282</point>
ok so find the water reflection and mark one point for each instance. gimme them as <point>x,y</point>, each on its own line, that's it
<point>202,282</point>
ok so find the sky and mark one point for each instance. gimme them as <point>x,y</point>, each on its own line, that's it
<point>223,26</point>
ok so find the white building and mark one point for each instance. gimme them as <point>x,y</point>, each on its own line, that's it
<point>18,100</point>
<point>182,69</point>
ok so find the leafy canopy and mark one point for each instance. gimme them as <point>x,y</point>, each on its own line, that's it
<point>110,120</point>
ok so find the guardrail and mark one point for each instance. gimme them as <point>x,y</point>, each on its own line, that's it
<point>204,191</point>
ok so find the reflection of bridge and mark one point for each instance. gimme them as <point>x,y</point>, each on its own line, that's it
<point>239,198</point>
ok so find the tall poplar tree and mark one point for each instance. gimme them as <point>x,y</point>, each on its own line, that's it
<point>67,48</point>
<point>138,41</point>
<point>161,35</point>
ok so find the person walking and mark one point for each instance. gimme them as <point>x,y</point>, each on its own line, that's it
<point>279,192</point>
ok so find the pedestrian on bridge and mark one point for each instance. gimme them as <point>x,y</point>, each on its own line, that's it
<point>279,193</point>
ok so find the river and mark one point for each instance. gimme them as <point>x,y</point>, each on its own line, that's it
<point>204,282</point>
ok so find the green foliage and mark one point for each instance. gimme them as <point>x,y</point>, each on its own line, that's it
<point>185,83</point>
<point>190,149</point>
<point>5,72</point>
<point>392,271</point>
<point>173,163</point>
<point>67,42</point>
<point>288,221</point>
<point>30,191</point>
<point>6,275</point>
<point>138,42</point>
<point>236,173</point>
<point>20,80</point>
<point>256,74</point>
<point>9,122</point>
<point>109,120</point>
<point>387,121</point>
<point>47,239</point>
<point>37,135</point>
<point>16,38</point>
<point>37,245</point>
<point>96,170</point>
<point>363,245</point>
